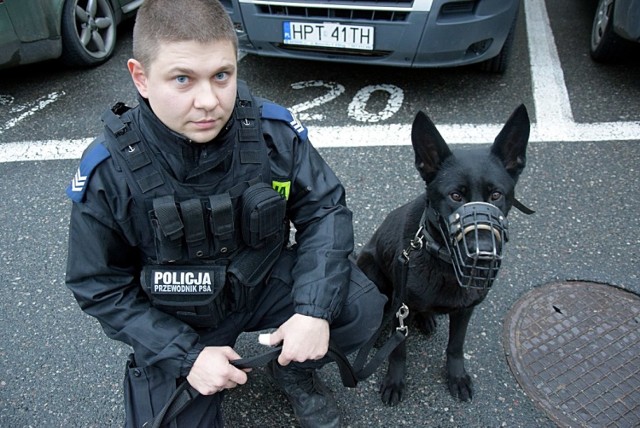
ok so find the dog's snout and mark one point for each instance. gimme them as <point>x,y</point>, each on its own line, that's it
<point>480,241</point>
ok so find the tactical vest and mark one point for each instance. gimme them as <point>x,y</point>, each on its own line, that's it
<point>213,244</point>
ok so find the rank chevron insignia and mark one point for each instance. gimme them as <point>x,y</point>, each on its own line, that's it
<point>77,184</point>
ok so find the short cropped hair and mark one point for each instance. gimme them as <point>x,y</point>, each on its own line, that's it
<point>160,21</point>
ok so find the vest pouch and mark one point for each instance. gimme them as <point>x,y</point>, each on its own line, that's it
<point>263,213</point>
<point>168,229</point>
<point>193,294</point>
<point>248,271</point>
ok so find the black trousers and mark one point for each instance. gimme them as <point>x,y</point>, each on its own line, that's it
<point>148,388</point>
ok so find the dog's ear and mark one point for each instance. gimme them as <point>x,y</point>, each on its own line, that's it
<point>428,145</point>
<point>510,145</point>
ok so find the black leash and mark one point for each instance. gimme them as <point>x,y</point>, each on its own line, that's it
<point>185,393</point>
<point>349,374</point>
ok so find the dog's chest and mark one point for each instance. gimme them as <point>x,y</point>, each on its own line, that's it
<point>432,286</point>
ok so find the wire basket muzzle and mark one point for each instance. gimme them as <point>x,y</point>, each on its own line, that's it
<point>475,235</point>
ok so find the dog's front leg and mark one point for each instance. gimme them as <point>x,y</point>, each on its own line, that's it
<point>459,381</point>
<point>392,387</point>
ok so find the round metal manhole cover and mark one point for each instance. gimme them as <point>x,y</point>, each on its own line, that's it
<point>574,347</point>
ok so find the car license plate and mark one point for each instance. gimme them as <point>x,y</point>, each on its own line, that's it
<point>328,34</point>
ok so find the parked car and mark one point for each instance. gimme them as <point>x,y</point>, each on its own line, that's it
<point>403,33</point>
<point>79,32</point>
<point>616,24</point>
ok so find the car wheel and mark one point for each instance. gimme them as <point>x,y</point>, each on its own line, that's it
<point>606,45</point>
<point>88,32</point>
<point>498,64</point>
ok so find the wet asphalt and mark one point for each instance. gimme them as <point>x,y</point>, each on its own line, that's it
<point>59,370</point>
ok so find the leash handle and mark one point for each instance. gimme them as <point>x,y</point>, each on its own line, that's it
<point>185,393</point>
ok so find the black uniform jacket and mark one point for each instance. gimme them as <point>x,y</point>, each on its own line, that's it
<point>103,267</point>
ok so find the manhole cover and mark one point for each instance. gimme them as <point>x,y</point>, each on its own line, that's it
<point>575,349</point>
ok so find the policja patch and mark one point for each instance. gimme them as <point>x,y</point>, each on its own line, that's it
<point>190,293</point>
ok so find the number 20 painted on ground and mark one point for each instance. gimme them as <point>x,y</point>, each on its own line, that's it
<point>357,107</point>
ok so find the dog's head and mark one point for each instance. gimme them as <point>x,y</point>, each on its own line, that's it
<point>470,193</point>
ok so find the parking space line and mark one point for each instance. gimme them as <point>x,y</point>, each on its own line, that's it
<point>553,119</point>
<point>550,94</point>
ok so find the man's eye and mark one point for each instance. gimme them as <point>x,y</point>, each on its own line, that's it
<point>182,80</point>
<point>222,75</point>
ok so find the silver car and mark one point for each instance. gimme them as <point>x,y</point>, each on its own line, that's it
<point>401,33</point>
<point>616,24</point>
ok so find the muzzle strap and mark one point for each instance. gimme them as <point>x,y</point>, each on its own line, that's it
<point>523,208</point>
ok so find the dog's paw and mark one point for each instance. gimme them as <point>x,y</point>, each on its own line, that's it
<point>461,387</point>
<point>391,391</point>
<point>426,323</point>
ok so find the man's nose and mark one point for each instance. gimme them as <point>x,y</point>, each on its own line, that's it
<point>205,97</point>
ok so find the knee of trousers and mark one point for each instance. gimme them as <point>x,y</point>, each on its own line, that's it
<point>147,390</point>
<point>361,315</point>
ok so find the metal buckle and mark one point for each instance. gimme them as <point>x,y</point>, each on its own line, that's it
<point>402,314</point>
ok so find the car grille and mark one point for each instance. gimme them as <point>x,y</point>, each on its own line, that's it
<point>352,14</point>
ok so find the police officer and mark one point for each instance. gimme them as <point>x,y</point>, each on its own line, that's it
<point>179,229</point>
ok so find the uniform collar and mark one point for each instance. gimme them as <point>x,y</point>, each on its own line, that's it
<point>160,136</point>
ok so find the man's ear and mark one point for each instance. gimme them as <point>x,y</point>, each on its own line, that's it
<point>139,76</point>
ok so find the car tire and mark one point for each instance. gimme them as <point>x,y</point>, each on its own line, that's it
<point>88,31</point>
<point>498,64</point>
<point>606,45</point>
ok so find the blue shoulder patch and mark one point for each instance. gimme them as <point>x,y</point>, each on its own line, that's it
<point>277,112</point>
<point>90,160</point>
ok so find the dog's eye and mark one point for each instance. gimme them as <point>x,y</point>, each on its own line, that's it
<point>455,196</point>
<point>496,196</point>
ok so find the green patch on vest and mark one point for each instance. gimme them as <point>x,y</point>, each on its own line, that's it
<point>282,187</point>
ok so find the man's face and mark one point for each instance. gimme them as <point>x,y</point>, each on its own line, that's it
<point>190,86</point>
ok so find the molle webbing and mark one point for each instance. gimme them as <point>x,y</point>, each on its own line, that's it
<point>222,224</point>
<point>194,228</point>
<point>133,152</point>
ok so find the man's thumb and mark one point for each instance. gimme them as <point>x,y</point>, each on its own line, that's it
<point>272,339</point>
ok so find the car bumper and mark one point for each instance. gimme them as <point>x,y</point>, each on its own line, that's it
<point>422,33</point>
<point>627,19</point>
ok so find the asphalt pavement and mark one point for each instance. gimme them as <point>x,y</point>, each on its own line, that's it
<point>60,370</point>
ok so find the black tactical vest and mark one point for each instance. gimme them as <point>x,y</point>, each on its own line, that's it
<point>213,243</point>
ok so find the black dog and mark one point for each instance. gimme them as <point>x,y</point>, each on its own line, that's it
<point>458,230</point>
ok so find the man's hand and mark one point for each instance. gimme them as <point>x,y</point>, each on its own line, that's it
<point>303,338</point>
<point>212,372</point>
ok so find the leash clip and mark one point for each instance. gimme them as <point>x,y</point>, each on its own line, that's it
<point>402,314</point>
<point>416,244</point>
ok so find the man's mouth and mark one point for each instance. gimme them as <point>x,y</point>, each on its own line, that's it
<point>205,123</point>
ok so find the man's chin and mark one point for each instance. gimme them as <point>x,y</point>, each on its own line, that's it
<point>202,137</point>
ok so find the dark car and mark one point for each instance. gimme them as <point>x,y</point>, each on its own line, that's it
<point>615,26</point>
<point>78,32</point>
<point>401,33</point>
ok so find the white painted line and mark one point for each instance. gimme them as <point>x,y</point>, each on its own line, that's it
<point>553,108</point>
<point>31,109</point>
<point>42,150</point>
<point>553,121</point>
